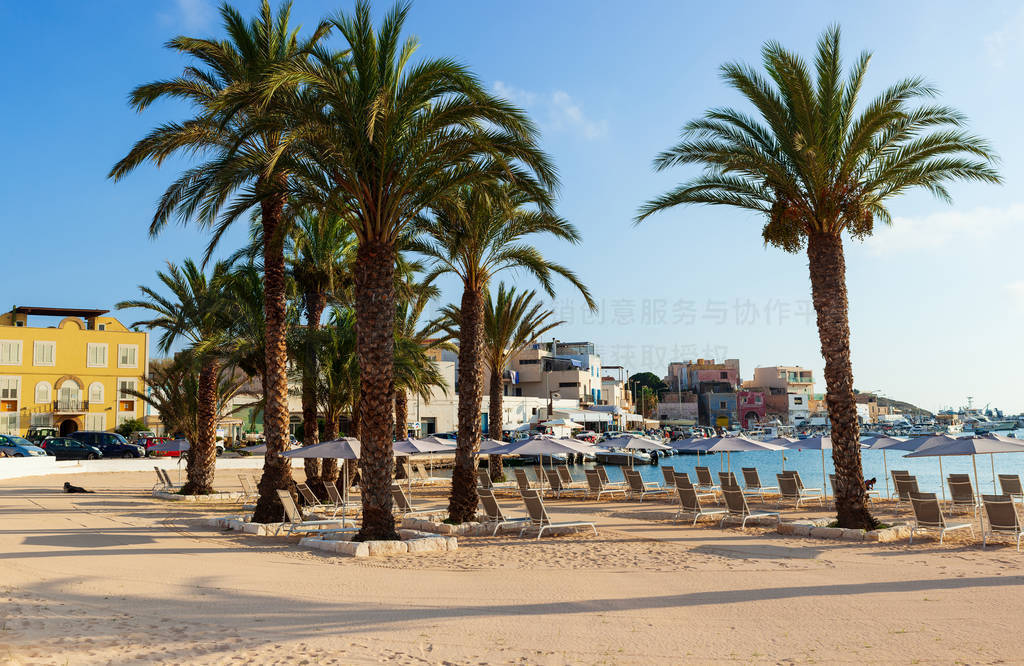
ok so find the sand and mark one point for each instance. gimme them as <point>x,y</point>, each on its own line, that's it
<point>118,577</point>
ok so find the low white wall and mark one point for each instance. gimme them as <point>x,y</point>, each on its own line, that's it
<point>15,468</point>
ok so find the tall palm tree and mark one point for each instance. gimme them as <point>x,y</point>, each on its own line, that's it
<point>815,165</point>
<point>194,312</point>
<point>172,389</point>
<point>240,134</point>
<point>511,321</point>
<point>385,139</point>
<point>486,230</point>
<point>320,248</point>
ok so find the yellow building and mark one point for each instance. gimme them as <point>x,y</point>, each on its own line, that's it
<point>70,376</point>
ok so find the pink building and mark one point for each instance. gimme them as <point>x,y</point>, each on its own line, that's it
<point>750,407</point>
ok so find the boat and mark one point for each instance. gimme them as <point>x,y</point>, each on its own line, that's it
<point>624,458</point>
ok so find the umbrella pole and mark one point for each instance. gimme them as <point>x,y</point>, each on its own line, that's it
<point>992,457</point>
<point>974,459</point>
<point>824,477</point>
<point>942,476</point>
<point>885,469</point>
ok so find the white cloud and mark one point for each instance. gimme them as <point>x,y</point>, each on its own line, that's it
<point>1003,43</point>
<point>190,15</point>
<point>945,229</point>
<point>556,111</point>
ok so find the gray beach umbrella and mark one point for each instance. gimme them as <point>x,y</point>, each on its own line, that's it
<point>344,448</point>
<point>920,443</point>
<point>971,446</point>
<point>727,445</point>
<point>883,443</point>
<point>543,445</point>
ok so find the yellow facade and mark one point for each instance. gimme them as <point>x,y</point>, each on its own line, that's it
<point>69,376</point>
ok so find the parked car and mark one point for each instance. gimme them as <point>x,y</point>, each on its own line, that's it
<point>37,434</point>
<point>149,442</point>
<point>65,448</point>
<point>111,444</point>
<point>139,435</point>
<point>19,447</point>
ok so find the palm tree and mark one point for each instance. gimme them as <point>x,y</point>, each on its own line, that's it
<point>814,165</point>
<point>195,312</point>
<point>385,139</point>
<point>484,231</point>
<point>320,248</point>
<point>511,321</point>
<point>240,133</point>
<point>173,391</point>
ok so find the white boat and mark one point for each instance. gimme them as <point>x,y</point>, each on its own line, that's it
<point>624,458</point>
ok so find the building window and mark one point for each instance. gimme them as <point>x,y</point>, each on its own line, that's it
<point>10,352</point>
<point>568,384</point>
<point>127,356</point>
<point>96,422</point>
<point>9,388</point>
<point>722,404</point>
<point>723,375</point>
<point>8,423</point>
<point>529,361</point>
<point>96,355</point>
<point>44,353</point>
<point>96,393</point>
<point>41,420</point>
<point>125,400</point>
<point>43,393</point>
<point>798,401</point>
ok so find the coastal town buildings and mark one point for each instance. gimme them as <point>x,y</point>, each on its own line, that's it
<point>72,374</point>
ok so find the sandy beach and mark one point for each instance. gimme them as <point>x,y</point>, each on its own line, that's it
<point>119,577</point>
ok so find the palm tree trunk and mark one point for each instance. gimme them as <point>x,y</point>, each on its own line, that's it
<point>374,275</point>
<point>202,456</point>
<point>494,423</point>
<point>463,501</point>
<point>828,290</point>
<point>329,469</point>
<point>277,471</point>
<point>315,304</point>
<point>401,413</point>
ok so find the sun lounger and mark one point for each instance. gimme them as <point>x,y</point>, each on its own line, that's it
<point>752,483</point>
<point>704,480</point>
<point>539,519</point>
<point>556,486</point>
<point>522,480</point>
<point>905,486</point>
<point>249,492</point>
<point>604,478</point>
<point>596,487</point>
<point>295,524</point>
<point>402,507</point>
<point>566,477</point>
<point>791,489</point>
<point>669,474</point>
<point>538,473</point>
<point>338,500</point>
<point>493,515</point>
<point>683,479</point>
<point>689,503</point>
<point>313,502</point>
<point>641,488</point>
<point>928,516</point>
<point>961,495</point>
<point>1010,485</point>
<point>894,474</point>
<point>1002,518</point>
<point>736,506</point>
<point>163,482</point>
<point>420,474</point>
<point>728,480</point>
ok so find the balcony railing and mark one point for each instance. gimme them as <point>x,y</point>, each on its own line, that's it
<point>70,406</point>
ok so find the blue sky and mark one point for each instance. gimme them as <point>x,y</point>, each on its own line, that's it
<point>935,302</point>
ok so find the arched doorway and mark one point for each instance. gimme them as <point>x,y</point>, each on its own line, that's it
<point>68,426</point>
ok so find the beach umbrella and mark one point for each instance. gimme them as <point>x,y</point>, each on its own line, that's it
<point>565,423</point>
<point>543,445</point>
<point>821,443</point>
<point>783,442</point>
<point>345,448</point>
<point>417,446</point>
<point>883,443</point>
<point>172,446</point>
<point>488,445</point>
<point>920,443</point>
<point>729,444</point>
<point>971,446</point>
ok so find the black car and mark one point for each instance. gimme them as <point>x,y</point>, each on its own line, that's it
<point>65,448</point>
<point>110,443</point>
